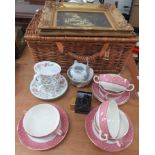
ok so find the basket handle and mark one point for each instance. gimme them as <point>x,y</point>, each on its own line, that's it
<point>103,53</point>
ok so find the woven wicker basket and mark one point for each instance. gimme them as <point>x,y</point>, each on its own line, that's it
<point>104,54</point>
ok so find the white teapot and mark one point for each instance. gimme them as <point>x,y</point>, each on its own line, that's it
<point>79,71</point>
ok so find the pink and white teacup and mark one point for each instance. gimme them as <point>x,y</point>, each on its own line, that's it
<point>107,121</point>
<point>42,122</point>
<point>113,83</point>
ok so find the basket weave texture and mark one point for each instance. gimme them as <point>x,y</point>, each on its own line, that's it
<point>104,54</point>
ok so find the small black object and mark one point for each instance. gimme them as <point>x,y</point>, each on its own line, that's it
<point>101,1</point>
<point>116,4</point>
<point>83,102</point>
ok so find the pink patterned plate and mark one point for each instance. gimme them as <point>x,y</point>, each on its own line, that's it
<point>123,98</point>
<point>127,139</point>
<point>26,141</point>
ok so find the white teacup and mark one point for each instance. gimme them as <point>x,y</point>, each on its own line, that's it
<point>107,120</point>
<point>124,125</point>
<point>42,120</point>
<point>47,74</point>
<point>46,138</point>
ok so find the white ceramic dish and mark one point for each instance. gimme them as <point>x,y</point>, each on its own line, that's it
<point>124,125</point>
<point>81,83</point>
<point>79,71</point>
<point>41,120</point>
<point>46,138</point>
<point>113,119</point>
<point>42,139</point>
<point>48,93</point>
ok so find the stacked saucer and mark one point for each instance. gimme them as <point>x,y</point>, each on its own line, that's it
<point>109,128</point>
<point>48,83</point>
<point>43,127</point>
<point>112,86</point>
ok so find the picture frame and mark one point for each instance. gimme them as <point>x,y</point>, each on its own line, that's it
<point>83,19</point>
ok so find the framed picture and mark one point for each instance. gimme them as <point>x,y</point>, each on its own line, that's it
<point>82,19</point>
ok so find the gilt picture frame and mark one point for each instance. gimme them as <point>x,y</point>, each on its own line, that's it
<point>82,19</point>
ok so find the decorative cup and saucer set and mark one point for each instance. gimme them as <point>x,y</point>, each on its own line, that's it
<point>48,83</point>
<point>44,126</point>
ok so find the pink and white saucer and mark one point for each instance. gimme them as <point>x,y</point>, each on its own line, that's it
<point>127,139</point>
<point>30,144</point>
<point>123,98</point>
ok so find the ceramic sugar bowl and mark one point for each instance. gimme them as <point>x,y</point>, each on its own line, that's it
<point>79,71</point>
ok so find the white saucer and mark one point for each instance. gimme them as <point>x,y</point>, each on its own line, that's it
<point>39,93</point>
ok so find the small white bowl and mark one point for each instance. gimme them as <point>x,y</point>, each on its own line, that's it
<point>41,120</point>
<point>81,83</point>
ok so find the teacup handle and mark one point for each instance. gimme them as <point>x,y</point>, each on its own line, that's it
<point>36,76</point>
<point>119,143</point>
<point>131,87</point>
<point>105,138</point>
<point>96,79</point>
<point>59,132</point>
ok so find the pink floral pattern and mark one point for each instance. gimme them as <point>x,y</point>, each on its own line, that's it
<point>126,140</point>
<point>27,142</point>
<point>50,91</point>
<point>123,98</point>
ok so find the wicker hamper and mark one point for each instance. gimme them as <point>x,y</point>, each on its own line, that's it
<point>105,54</point>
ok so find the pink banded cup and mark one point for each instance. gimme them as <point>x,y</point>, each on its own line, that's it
<point>113,83</point>
<point>107,122</point>
<point>110,123</point>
